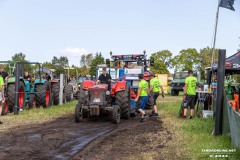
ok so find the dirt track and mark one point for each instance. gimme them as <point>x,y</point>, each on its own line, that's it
<point>65,139</point>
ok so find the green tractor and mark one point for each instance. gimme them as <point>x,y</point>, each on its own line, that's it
<point>21,93</point>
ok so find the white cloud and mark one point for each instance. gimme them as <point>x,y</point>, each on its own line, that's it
<point>74,52</point>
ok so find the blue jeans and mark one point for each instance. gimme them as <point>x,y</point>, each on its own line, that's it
<point>142,101</point>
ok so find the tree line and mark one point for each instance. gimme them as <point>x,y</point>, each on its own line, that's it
<point>163,61</point>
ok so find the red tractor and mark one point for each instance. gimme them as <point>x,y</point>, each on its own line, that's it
<point>96,100</point>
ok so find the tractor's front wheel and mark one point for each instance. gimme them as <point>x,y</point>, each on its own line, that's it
<point>123,100</point>
<point>68,90</point>
<point>82,96</point>
<point>78,113</point>
<point>116,114</point>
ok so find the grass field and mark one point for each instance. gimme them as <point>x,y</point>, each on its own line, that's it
<point>194,136</point>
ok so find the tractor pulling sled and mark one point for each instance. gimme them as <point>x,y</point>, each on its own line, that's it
<point>95,100</point>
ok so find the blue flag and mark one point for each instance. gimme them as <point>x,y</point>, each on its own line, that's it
<point>227,4</point>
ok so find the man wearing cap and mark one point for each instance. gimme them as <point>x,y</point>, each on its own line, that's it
<point>190,93</point>
<point>105,78</point>
<point>142,96</point>
<point>155,86</point>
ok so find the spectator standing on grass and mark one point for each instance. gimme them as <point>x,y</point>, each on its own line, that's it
<point>189,92</point>
<point>4,74</point>
<point>142,96</point>
<point>155,86</point>
<point>2,99</point>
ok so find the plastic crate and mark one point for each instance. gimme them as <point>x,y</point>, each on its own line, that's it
<point>207,114</point>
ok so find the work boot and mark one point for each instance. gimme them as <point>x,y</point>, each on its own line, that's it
<point>153,114</point>
<point>184,117</point>
<point>144,118</point>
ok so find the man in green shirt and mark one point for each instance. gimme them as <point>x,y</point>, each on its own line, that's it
<point>190,93</point>
<point>155,86</point>
<point>142,96</point>
<point>2,99</point>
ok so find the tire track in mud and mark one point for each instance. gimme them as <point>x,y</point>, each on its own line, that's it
<point>59,139</point>
<point>71,147</point>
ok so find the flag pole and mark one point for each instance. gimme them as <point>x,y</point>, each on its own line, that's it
<point>215,32</point>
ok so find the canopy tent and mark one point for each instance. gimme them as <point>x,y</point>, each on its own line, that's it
<point>232,64</point>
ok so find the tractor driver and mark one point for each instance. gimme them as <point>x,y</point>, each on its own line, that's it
<point>105,78</point>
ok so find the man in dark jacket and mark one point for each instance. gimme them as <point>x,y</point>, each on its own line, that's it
<point>105,78</point>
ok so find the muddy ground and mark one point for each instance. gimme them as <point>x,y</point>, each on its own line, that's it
<point>101,139</point>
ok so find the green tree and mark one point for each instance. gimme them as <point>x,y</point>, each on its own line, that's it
<point>165,56</point>
<point>84,70</point>
<point>59,64</point>
<point>48,65</point>
<point>62,61</point>
<point>89,58</point>
<point>98,59</point>
<point>86,60</point>
<point>83,60</point>
<point>186,60</point>
<point>159,67</point>
<point>206,59</point>
<point>20,57</point>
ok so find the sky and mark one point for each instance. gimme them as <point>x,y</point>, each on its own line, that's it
<point>42,29</point>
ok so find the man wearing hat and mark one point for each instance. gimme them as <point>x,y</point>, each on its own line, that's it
<point>155,86</point>
<point>105,78</point>
<point>189,92</point>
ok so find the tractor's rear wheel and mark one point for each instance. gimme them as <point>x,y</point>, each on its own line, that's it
<point>5,107</point>
<point>68,90</point>
<point>82,96</point>
<point>56,90</point>
<point>123,100</point>
<point>32,101</point>
<point>11,96</point>
<point>116,114</point>
<point>78,113</point>
<point>43,95</point>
